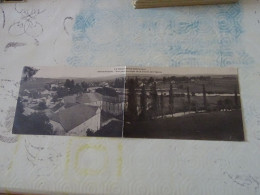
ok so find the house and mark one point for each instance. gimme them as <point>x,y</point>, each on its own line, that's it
<point>69,100</point>
<point>92,99</point>
<point>93,89</point>
<point>26,92</point>
<point>45,93</point>
<point>48,94</point>
<point>28,111</point>
<point>76,120</point>
<point>54,86</point>
<point>104,84</point>
<point>58,107</point>
<point>113,105</point>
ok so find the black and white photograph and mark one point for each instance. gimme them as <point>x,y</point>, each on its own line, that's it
<point>70,101</point>
<point>183,103</point>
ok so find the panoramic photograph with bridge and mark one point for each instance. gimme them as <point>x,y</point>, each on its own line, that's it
<point>183,103</point>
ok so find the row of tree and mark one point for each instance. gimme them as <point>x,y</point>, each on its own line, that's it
<point>119,83</point>
<point>175,79</point>
<point>157,106</point>
<point>70,88</point>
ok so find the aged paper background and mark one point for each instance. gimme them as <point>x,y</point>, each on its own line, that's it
<point>112,33</point>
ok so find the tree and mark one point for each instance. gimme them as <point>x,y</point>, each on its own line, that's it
<point>78,89</point>
<point>84,86</point>
<point>151,80</point>
<point>220,105</point>
<point>204,97</point>
<point>143,104</point>
<point>132,105</point>
<point>19,107</point>
<point>28,72</point>
<point>67,83</point>
<point>61,92</point>
<point>119,83</point>
<point>106,91</point>
<point>171,99</point>
<point>136,82</point>
<point>72,84</point>
<point>184,105</point>
<point>55,98</point>
<point>47,87</point>
<point>188,97</point>
<point>194,106</point>
<point>236,99</point>
<point>39,124</point>
<point>154,103</point>
<point>164,79</point>
<point>42,105</point>
<point>162,104</point>
<point>89,132</point>
<point>228,103</point>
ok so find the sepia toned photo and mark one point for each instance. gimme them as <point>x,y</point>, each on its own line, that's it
<point>183,103</point>
<point>132,102</point>
<point>70,101</point>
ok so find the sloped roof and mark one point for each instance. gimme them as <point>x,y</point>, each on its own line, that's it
<point>89,98</point>
<point>69,99</point>
<point>110,99</point>
<point>74,116</point>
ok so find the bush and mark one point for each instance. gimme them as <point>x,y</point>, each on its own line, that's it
<point>42,105</point>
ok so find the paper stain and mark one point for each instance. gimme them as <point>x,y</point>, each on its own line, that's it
<point>120,159</point>
<point>16,149</point>
<point>183,37</point>
<point>74,158</point>
<point>89,171</point>
<point>67,163</point>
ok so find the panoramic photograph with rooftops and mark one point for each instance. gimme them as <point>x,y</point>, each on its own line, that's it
<point>70,101</point>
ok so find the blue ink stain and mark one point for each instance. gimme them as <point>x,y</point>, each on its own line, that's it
<point>183,36</point>
<point>84,22</point>
<point>185,27</point>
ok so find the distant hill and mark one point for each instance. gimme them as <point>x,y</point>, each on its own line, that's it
<point>39,83</point>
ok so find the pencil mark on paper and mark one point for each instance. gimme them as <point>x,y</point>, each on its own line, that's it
<point>27,24</point>
<point>3,14</point>
<point>13,45</point>
<point>41,157</point>
<point>6,132</point>
<point>36,42</point>
<point>244,180</point>
<point>64,24</point>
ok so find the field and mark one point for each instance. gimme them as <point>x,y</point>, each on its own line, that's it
<point>216,85</point>
<point>38,83</point>
<point>225,126</point>
<point>179,102</point>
